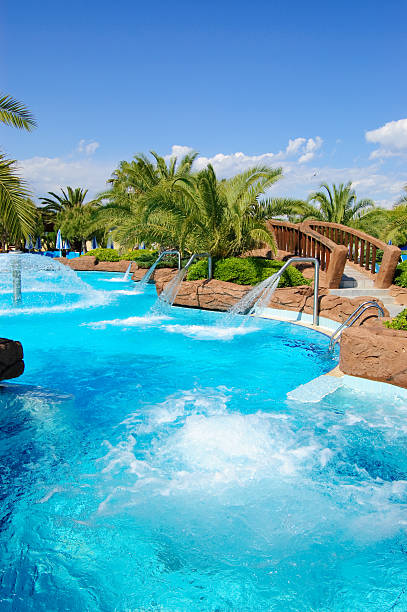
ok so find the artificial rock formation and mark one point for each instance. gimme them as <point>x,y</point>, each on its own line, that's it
<point>375,353</point>
<point>89,263</point>
<point>11,359</point>
<point>220,295</point>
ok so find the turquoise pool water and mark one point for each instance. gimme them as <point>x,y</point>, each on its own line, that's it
<point>154,462</point>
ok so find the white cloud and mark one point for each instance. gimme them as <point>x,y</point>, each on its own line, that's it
<point>294,145</point>
<point>299,177</point>
<point>300,149</point>
<point>311,148</point>
<point>392,138</point>
<point>369,181</point>
<point>87,147</point>
<point>45,174</point>
<point>179,151</point>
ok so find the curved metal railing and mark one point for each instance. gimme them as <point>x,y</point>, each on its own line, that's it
<point>351,320</point>
<point>195,256</point>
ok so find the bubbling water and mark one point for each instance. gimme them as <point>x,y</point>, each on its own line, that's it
<point>35,283</point>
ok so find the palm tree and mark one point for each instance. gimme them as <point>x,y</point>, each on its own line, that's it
<point>69,199</point>
<point>17,214</point>
<point>76,224</point>
<point>387,224</point>
<point>337,204</point>
<point>197,212</point>
<point>14,113</point>
<point>122,204</point>
<point>69,212</point>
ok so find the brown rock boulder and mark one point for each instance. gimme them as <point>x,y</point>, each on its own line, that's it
<point>162,276</point>
<point>375,353</point>
<point>399,294</point>
<point>335,307</point>
<point>138,274</point>
<point>11,359</point>
<point>89,263</point>
<point>208,295</point>
<point>82,264</point>
<point>114,266</point>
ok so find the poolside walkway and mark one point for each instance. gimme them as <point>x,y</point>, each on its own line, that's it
<point>356,283</point>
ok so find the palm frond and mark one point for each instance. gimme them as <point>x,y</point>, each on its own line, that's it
<point>16,114</point>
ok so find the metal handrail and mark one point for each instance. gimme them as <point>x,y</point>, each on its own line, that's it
<point>195,256</point>
<point>315,261</point>
<point>174,252</point>
<point>351,320</point>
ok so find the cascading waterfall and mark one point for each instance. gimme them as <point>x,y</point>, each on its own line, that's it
<point>141,285</point>
<point>127,273</point>
<point>254,300</point>
<point>166,298</point>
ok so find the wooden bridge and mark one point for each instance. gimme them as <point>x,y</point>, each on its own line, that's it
<point>335,245</point>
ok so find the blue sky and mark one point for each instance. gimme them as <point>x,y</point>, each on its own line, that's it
<point>316,87</point>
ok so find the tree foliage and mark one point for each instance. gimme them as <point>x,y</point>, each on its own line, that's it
<point>15,113</point>
<point>17,213</point>
<point>336,204</point>
<point>168,203</point>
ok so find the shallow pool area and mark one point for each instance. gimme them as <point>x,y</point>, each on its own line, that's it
<point>152,460</point>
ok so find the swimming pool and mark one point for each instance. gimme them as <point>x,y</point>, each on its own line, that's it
<point>154,462</point>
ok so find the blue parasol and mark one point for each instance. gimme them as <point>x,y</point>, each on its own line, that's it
<point>58,244</point>
<point>94,243</point>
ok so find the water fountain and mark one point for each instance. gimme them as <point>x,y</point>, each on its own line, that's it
<point>167,297</point>
<point>31,282</point>
<point>258,297</point>
<point>127,273</point>
<point>147,276</point>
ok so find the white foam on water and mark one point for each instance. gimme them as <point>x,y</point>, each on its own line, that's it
<point>199,449</point>
<point>128,322</point>
<point>135,291</point>
<point>95,299</point>
<point>210,332</point>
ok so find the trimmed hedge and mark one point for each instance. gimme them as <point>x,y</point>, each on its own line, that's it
<point>399,322</point>
<point>140,255</point>
<point>103,254</point>
<point>400,277</point>
<point>247,271</point>
<point>143,257</point>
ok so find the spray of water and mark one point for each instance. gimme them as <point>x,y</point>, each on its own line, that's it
<point>37,283</point>
<point>167,297</point>
<point>127,273</point>
<point>256,299</point>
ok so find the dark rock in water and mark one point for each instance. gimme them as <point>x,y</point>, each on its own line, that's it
<point>11,359</point>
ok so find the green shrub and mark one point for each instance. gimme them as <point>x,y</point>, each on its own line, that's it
<point>399,322</point>
<point>400,277</point>
<point>141,254</point>
<point>247,271</point>
<point>104,254</point>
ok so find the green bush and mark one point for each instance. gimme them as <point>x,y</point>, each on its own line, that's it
<point>400,277</point>
<point>399,322</point>
<point>104,254</point>
<point>141,254</point>
<point>247,271</point>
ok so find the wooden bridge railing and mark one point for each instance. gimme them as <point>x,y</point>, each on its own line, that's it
<point>361,249</point>
<point>303,241</point>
